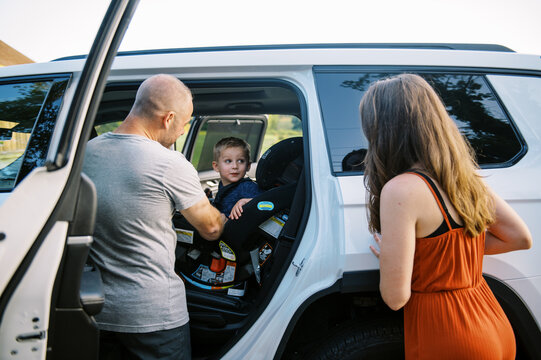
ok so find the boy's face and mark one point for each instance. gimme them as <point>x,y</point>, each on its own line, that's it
<point>232,165</point>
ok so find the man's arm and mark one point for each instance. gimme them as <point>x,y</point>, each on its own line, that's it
<point>208,221</point>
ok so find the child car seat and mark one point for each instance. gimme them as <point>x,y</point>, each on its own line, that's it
<point>246,243</point>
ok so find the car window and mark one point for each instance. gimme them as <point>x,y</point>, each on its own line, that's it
<point>108,127</point>
<point>214,128</point>
<point>261,132</point>
<point>280,127</point>
<point>179,144</point>
<point>468,98</point>
<point>28,111</point>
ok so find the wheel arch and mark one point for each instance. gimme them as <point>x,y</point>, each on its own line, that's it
<point>527,332</point>
<point>365,285</point>
<point>358,283</point>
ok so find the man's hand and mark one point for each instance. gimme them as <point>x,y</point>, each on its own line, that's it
<point>236,212</point>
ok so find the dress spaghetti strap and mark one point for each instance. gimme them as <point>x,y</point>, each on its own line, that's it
<point>439,199</point>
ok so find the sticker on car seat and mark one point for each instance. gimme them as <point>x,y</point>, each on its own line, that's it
<point>235,292</point>
<point>229,273</point>
<point>265,205</point>
<point>227,252</point>
<point>273,226</point>
<point>184,236</point>
<point>264,253</point>
<point>204,274</point>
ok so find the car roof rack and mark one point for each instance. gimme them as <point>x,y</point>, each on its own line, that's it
<point>429,46</point>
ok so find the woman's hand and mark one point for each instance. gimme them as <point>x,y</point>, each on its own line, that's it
<point>375,250</point>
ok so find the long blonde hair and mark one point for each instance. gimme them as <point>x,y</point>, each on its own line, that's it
<point>406,123</point>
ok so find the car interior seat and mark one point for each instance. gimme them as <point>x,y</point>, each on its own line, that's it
<point>246,243</point>
<point>260,242</point>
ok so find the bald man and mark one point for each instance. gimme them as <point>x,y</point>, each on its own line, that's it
<point>140,182</point>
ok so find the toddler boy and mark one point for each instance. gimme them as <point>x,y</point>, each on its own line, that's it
<point>232,161</point>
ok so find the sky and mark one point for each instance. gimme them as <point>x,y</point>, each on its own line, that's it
<point>45,30</point>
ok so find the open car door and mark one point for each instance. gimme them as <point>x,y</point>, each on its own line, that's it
<point>47,211</point>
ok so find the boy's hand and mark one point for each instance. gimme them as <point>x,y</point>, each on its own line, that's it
<point>236,212</point>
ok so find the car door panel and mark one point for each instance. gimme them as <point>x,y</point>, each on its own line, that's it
<point>34,248</point>
<point>79,292</point>
<point>24,326</point>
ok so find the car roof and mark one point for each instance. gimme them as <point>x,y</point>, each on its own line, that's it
<point>305,56</point>
<point>431,46</point>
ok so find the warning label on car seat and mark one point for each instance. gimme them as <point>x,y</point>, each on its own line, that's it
<point>184,236</point>
<point>273,226</point>
<point>227,252</point>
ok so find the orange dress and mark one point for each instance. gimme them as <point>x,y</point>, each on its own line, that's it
<point>452,313</point>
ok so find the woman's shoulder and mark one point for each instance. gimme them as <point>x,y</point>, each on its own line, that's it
<point>404,180</point>
<point>406,186</point>
<point>407,195</point>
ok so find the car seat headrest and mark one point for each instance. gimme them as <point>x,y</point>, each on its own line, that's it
<point>281,164</point>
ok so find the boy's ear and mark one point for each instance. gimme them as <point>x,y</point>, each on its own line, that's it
<point>215,166</point>
<point>248,166</point>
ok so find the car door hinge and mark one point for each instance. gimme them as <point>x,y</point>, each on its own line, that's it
<point>299,267</point>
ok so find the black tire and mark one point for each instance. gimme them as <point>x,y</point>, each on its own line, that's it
<point>382,339</point>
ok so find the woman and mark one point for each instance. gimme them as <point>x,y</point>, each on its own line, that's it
<point>437,218</point>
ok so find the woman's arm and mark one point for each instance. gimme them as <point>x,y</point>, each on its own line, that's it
<point>398,215</point>
<point>508,232</point>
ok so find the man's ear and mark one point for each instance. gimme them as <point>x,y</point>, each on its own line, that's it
<point>215,166</point>
<point>167,119</point>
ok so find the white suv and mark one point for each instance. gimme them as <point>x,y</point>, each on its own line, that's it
<point>314,291</point>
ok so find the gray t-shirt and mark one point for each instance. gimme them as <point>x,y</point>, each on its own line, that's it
<point>139,184</point>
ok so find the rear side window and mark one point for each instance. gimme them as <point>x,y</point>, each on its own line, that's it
<point>214,128</point>
<point>28,112</point>
<point>468,98</point>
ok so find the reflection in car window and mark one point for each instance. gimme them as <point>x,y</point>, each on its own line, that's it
<point>467,97</point>
<point>19,107</point>
<point>28,112</point>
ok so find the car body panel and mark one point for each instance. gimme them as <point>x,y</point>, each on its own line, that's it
<point>335,239</point>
